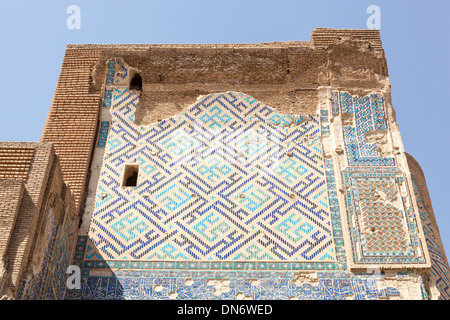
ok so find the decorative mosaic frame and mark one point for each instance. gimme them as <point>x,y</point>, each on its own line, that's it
<point>369,115</point>
<point>107,98</point>
<point>103,134</point>
<point>359,247</point>
<point>378,178</point>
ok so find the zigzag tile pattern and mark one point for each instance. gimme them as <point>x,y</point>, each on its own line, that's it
<point>228,179</point>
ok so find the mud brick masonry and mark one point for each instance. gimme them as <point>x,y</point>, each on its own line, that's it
<point>220,171</point>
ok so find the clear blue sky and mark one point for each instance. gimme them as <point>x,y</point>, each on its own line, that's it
<point>415,37</point>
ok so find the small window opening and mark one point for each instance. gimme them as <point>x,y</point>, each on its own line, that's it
<point>136,82</point>
<point>130,176</point>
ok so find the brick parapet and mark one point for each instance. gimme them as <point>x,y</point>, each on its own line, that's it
<point>327,36</point>
<point>15,159</point>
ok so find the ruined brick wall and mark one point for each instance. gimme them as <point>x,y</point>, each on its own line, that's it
<point>11,192</point>
<point>26,223</point>
<point>53,244</point>
<point>284,74</point>
<point>31,183</point>
<point>18,164</point>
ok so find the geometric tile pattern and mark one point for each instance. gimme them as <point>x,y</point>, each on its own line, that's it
<point>231,189</point>
<point>87,257</point>
<point>368,115</point>
<point>110,72</point>
<point>333,193</point>
<point>324,121</point>
<point>228,179</point>
<point>107,98</point>
<point>335,215</point>
<point>381,220</point>
<point>140,285</point>
<point>439,268</point>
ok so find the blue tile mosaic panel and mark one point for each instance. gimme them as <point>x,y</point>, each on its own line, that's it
<point>230,190</point>
<point>324,121</point>
<point>83,259</point>
<point>227,180</point>
<point>383,227</point>
<point>369,115</point>
<point>103,134</point>
<point>382,224</point>
<point>107,98</point>
<point>110,72</point>
<point>332,194</point>
<point>142,285</point>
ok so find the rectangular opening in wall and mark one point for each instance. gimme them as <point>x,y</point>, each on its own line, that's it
<point>130,175</point>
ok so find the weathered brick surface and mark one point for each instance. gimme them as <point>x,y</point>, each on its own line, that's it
<point>282,75</point>
<point>72,121</point>
<point>15,162</point>
<point>25,227</point>
<point>327,36</point>
<point>58,214</point>
<point>53,198</point>
<point>15,159</point>
<point>11,192</point>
